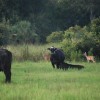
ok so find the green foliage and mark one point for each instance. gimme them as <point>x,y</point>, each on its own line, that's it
<point>23,32</point>
<point>91,39</point>
<point>47,16</point>
<point>86,39</point>
<point>70,50</point>
<point>72,37</point>
<point>90,52</point>
<point>4,33</point>
<point>87,42</point>
<point>95,28</point>
<point>76,56</point>
<point>55,37</point>
<point>74,34</point>
<point>33,21</point>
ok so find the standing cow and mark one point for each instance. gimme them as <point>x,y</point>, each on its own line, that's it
<point>57,57</point>
<point>5,63</point>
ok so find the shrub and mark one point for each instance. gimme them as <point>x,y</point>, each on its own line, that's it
<point>23,32</point>
<point>55,37</point>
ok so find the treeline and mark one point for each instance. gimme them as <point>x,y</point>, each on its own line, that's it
<point>33,20</point>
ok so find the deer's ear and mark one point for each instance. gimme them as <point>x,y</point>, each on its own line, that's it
<point>84,53</point>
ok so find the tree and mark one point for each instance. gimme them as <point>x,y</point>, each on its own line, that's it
<point>23,33</point>
<point>4,33</point>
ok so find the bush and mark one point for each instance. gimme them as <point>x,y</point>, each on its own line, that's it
<point>86,39</point>
<point>72,37</point>
<point>24,33</point>
<point>71,52</point>
<point>55,37</point>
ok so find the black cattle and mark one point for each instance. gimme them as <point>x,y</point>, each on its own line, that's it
<point>67,66</point>
<point>5,63</point>
<point>57,57</point>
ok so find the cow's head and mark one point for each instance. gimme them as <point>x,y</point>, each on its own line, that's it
<point>52,49</point>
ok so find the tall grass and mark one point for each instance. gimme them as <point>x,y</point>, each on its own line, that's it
<point>29,52</point>
<point>39,81</point>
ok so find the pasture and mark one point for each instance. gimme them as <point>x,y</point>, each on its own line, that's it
<point>39,81</point>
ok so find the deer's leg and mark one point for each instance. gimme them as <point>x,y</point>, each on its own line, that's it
<point>88,61</point>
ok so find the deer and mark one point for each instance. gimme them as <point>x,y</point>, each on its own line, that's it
<point>46,56</point>
<point>89,58</point>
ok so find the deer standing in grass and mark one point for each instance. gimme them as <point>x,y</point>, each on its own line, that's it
<point>89,58</point>
<point>46,56</point>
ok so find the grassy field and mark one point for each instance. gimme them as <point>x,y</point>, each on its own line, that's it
<point>39,81</point>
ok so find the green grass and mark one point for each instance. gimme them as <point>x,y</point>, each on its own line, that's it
<point>39,81</point>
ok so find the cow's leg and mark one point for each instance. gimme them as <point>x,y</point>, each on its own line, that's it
<point>53,64</point>
<point>8,76</point>
<point>61,66</point>
<point>7,72</point>
<point>1,66</point>
<point>58,65</point>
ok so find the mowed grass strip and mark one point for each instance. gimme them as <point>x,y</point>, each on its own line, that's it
<point>39,81</point>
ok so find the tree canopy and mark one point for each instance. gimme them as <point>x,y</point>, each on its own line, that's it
<point>47,16</point>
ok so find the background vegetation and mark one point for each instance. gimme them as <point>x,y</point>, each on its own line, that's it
<point>75,24</point>
<point>42,17</point>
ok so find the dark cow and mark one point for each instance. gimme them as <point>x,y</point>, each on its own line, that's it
<point>5,63</point>
<point>57,57</point>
